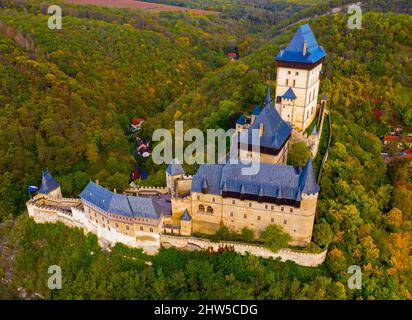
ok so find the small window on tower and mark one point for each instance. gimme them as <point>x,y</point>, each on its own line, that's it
<point>289,72</point>
<point>287,82</point>
<point>294,83</point>
<point>296,73</point>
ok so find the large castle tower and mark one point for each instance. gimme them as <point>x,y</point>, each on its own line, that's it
<point>297,83</point>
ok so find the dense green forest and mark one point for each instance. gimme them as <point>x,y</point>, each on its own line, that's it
<point>66,98</point>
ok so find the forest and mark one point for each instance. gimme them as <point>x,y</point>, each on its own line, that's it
<point>67,97</point>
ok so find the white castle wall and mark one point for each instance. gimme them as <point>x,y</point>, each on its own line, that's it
<point>301,258</point>
<point>150,242</point>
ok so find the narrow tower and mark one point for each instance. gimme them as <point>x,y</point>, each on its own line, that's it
<point>297,83</point>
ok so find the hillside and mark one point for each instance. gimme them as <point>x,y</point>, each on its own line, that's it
<point>91,78</point>
<point>76,91</point>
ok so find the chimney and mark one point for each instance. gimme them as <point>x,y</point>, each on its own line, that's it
<point>305,48</point>
<point>261,130</point>
<point>97,181</point>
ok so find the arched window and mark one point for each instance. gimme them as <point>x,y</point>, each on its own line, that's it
<point>201,207</point>
<point>209,209</point>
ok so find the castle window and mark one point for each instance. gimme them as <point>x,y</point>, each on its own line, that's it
<point>97,221</point>
<point>116,225</point>
<point>289,72</point>
<point>294,83</point>
<point>127,227</point>
<point>108,228</point>
<point>213,200</point>
<point>104,226</point>
<point>272,207</point>
<point>151,229</point>
<point>291,210</point>
<point>266,206</point>
<point>141,228</point>
<point>250,204</point>
<point>287,82</point>
<point>198,197</point>
<point>272,220</point>
<point>233,201</point>
<point>258,218</point>
<point>285,222</point>
<point>95,214</point>
<point>296,73</point>
<point>282,209</point>
<point>245,216</point>
<point>231,214</point>
<point>209,209</point>
<point>201,207</point>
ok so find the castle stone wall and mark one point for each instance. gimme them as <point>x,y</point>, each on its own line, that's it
<point>300,258</point>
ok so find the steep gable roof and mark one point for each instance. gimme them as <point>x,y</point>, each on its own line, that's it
<point>307,179</point>
<point>186,216</point>
<point>241,120</point>
<point>275,130</point>
<point>121,204</point>
<point>294,51</point>
<point>174,168</point>
<point>289,94</point>
<point>48,184</point>
<point>272,180</point>
<point>256,110</point>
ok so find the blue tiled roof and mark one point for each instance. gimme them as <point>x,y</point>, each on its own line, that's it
<point>294,51</point>
<point>307,179</point>
<point>120,204</point>
<point>174,168</point>
<point>275,130</point>
<point>186,216</point>
<point>48,184</point>
<point>272,180</point>
<point>289,94</point>
<point>212,173</point>
<point>241,120</point>
<point>256,110</point>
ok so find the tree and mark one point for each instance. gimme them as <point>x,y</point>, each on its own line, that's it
<point>247,235</point>
<point>298,154</point>
<point>275,238</point>
<point>322,233</point>
<point>394,218</point>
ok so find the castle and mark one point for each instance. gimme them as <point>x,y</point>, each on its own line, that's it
<point>218,194</point>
